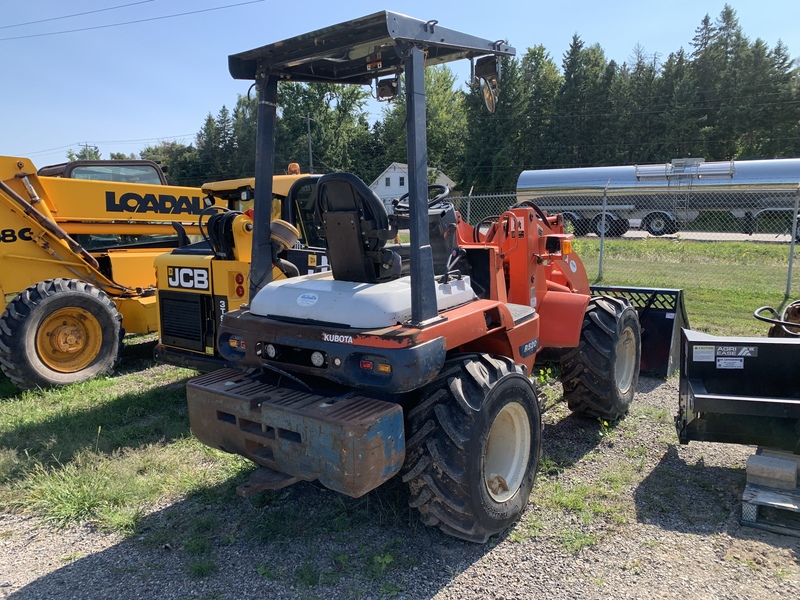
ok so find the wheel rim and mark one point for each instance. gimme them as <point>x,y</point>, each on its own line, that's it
<point>626,359</point>
<point>598,227</point>
<point>507,451</point>
<point>657,225</point>
<point>69,340</point>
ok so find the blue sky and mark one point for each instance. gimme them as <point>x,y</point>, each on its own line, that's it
<point>122,88</point>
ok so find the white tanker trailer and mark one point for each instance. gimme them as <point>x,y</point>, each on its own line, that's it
<point>663,198</point>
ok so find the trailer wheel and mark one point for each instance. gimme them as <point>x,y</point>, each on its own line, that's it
<point>600,375</point>
<point>473,447</point>
<point>614,226</point>
<point>659,224</point>
<point>58,332</point>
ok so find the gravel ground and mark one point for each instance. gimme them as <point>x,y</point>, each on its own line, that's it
<point>617,511</point>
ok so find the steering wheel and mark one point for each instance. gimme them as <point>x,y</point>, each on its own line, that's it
<point>536,209</point>
<point>401,204</point>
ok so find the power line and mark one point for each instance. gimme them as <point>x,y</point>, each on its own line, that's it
<point>80,14</point>
<point>193,12</point>
<point>97,143</point>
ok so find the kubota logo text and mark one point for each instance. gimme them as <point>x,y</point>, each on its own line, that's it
<point>162,204</point>
<point>186,277</point>
<point>337,338</point>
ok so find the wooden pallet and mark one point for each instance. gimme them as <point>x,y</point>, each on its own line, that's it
<point>771,509</point>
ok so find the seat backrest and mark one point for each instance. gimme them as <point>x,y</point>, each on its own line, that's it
<point>354,222</point>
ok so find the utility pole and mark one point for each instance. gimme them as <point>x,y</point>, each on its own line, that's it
<point>310,157</point>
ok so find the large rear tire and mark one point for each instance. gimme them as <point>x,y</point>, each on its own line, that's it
<point>600,375</point>
<point>473,447</point>
<point>58,332</point>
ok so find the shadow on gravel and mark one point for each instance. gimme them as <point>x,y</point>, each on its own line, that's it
<point>694,498</point>
<point>303,541</point>
<point>568,440</point>
<point>687,497</point>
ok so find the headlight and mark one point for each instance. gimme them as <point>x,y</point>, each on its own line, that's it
<point>317,359</point>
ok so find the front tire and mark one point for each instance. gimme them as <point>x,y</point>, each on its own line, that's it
<point>600,375</point>
<point>474,442</point>
<point>59,332</point>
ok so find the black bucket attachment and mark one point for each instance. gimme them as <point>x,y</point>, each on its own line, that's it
<point>740,390</point>
<point>662,315</point>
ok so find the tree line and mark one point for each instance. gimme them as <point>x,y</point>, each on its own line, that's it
<point>725,98</point>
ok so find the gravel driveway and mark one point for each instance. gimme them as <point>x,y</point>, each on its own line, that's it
<point>618,511</point>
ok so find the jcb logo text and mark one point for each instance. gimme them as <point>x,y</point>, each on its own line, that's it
<point>186,277</point>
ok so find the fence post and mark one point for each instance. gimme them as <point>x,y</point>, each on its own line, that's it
<point>792,242</point>
<point>603,231</point>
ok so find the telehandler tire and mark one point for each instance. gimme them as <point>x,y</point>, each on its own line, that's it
<point>58,332</point>
<point>600,375</point>
<point>473,447</point>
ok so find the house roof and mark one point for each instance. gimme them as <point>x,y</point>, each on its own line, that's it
<point>396,167</point>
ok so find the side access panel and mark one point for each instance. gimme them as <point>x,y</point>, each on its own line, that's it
<point>351,444</point>
<point>740,390</point>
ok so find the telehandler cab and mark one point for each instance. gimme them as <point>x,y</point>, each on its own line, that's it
<point>406,358</point>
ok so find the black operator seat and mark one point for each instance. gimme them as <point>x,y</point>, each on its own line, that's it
<point>354,222</point>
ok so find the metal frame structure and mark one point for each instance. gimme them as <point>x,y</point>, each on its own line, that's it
<point>386,44</point>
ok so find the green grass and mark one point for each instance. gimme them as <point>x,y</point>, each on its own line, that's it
<point>103,451</point>
<point>722,282</point>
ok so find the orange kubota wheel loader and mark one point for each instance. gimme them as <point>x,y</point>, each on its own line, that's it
<point>406,359</point>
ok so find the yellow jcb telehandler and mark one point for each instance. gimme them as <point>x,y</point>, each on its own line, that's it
<point>78,249</point>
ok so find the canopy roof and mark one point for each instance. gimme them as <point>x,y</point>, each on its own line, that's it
<point>360,50</point>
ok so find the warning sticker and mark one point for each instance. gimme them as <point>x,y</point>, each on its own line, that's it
<point>730,363</point>
<point>703,353</point>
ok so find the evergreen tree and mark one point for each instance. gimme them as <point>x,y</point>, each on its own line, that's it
<point>636,127</point>
<point>681,118</point>
<point>540,81</point>
<point>581,106</point>
<point>492,158</point>
<point>243,162</point>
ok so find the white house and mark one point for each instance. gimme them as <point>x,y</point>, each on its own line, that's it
<point>393,182</point>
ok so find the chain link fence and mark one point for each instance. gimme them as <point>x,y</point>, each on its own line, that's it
<point>734,241</point>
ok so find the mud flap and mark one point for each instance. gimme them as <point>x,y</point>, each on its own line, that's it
<point>662,315</point>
